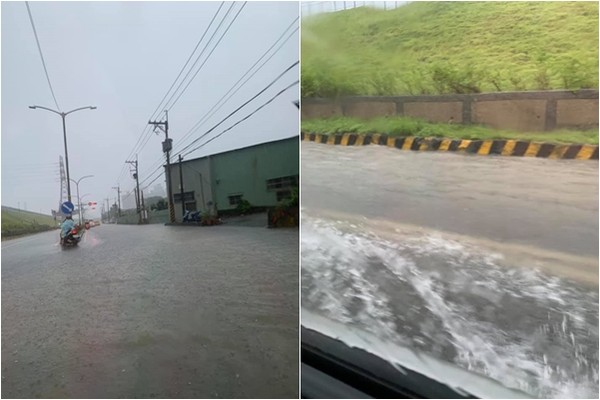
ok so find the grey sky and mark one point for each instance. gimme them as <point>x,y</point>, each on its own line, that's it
<point>122,57</point>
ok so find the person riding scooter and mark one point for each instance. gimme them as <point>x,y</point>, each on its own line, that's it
<point>66,227</point>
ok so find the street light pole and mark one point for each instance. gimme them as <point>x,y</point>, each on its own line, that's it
<point>63,116</point>
<point>78,198</point>
<point>81,207</point>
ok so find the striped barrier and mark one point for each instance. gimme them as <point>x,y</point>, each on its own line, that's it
<point>517,148</point>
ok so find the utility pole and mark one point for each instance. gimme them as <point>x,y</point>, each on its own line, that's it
<point>118,189</point>
<point>167,146</point>
<point>143,209</point>
<point>137,190</point>
<point>181,187</point>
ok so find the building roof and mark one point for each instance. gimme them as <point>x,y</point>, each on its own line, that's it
<point>174,162</point>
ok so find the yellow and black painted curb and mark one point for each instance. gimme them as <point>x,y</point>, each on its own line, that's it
<point>502,147</point>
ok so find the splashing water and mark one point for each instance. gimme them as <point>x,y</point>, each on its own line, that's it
<point>456,301</point>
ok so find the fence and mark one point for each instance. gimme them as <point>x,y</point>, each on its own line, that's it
<point>318,7</point>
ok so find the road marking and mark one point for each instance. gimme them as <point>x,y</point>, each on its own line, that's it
<point>360,140</point>
<point>331,139</point>
<point>391,142</point>
<point>424,145</point>
<point>375,138</point>
<point>408,143</point>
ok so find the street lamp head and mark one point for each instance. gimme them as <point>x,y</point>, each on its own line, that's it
<point>33,107</point>
<point>93,107</point>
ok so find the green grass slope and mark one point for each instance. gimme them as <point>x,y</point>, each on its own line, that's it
<point>451,47</point>
<point>18,222</point>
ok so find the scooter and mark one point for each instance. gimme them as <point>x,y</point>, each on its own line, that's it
<point>191,216</point>
<point>72,239</point>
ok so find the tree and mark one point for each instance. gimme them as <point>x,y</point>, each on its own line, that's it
<point>160,205</point>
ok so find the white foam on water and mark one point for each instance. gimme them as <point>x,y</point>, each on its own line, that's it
<point>336,259</point>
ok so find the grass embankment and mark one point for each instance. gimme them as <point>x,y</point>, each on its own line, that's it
<point>18,222</point>
<point>404,126</point>
<point>451,47</point>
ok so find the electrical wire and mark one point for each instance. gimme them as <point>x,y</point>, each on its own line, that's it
<point>217,107</point>
<point>245,118</point>
<point>224,131</point>
<point>37,40</point>
<point>190,57</point>
<point>191,131</point>
<point>210,113</point>
<point>146,128</point>
<point>243,105</point>
<point>207,57</point>
<point>228,116</point>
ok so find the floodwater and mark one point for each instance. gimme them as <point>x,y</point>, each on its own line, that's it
<point>152,311</point>
<point>490,263</point>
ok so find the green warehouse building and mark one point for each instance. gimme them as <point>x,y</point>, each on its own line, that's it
<point>263,174</point>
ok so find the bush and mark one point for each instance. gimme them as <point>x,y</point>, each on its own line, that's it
<point>244,207</point>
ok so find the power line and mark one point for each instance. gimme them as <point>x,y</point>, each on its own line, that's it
<point>209,54</point>
<point>245,118</point>
<point>37,40</point>
<point>190,57</point>
<point>192,67</point>
<point>227,117</point>
<point>154,180</point>
<point>146,127</point>
<point>201,54</point>
<point>243,105</point>
<point>206,116</point>
<point>157,168</point>
<point>224,131</point>
<point>210,112</point>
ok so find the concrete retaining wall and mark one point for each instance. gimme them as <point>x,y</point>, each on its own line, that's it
<point>519,111</point>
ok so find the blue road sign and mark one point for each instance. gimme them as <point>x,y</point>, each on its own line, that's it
<point>67,207</point>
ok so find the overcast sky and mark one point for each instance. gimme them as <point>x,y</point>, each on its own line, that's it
<point>122,57</point>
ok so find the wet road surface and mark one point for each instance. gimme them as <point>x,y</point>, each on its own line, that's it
<point>488,262</point>
<point>152,311</point>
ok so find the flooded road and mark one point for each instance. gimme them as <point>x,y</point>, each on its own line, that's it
<point>151,312</point>
<point>489,263</point>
